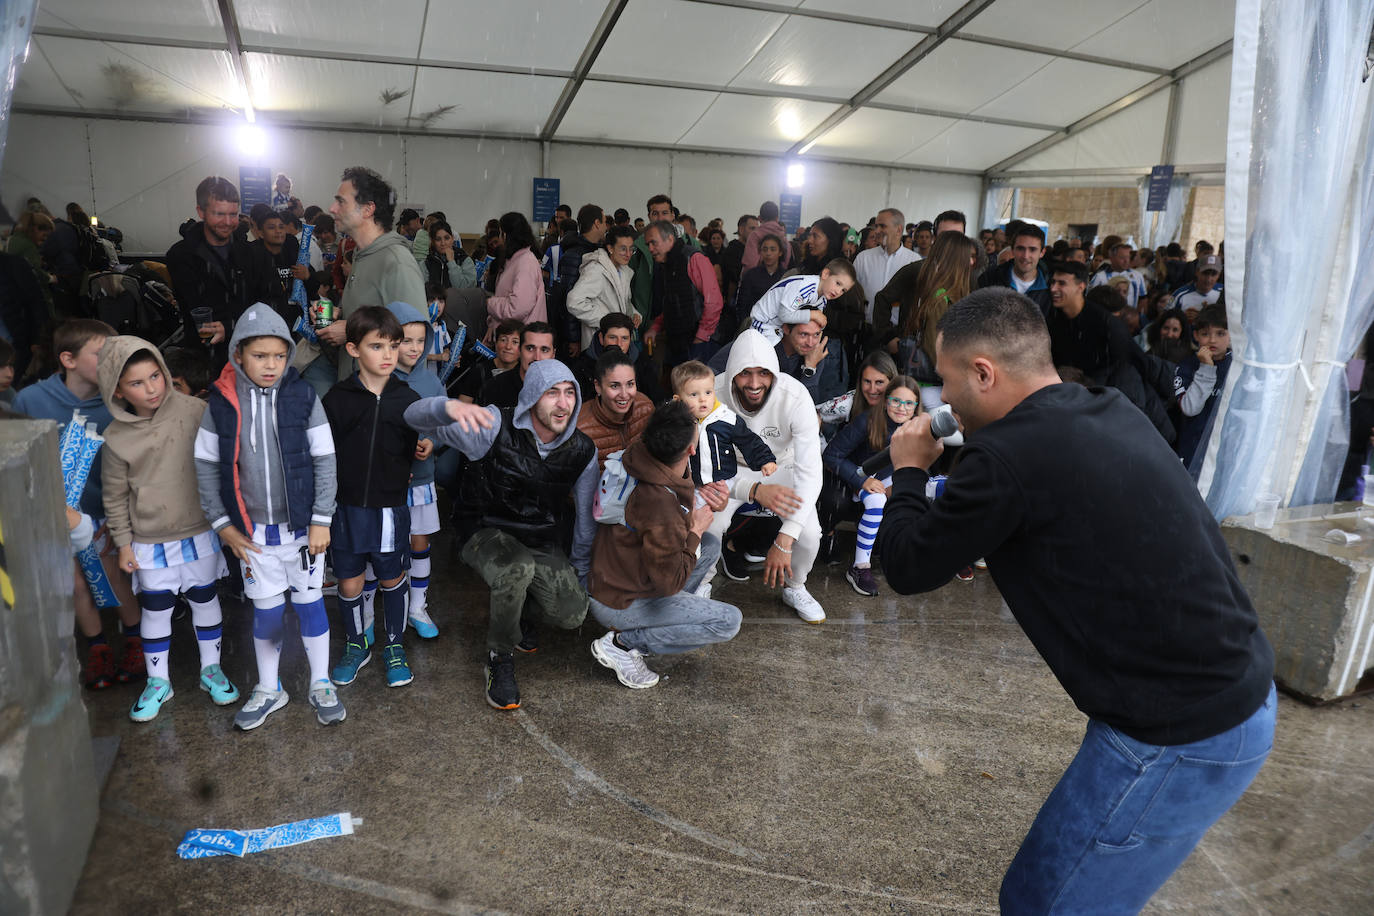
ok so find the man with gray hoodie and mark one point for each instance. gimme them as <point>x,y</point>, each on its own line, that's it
<point>267,478</point>
<point>533,457</point>
<point>384,268</point>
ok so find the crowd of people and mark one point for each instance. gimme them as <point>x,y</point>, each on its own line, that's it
<point>617,410</point>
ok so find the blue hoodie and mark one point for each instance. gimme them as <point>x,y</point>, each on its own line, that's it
<point>430,417</point>
<point>51,399</point>
<point>422,380</point>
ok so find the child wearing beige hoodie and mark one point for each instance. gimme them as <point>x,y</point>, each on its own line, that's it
<point>154,516</point>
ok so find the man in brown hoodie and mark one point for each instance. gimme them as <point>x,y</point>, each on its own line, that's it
<point>645,572</point>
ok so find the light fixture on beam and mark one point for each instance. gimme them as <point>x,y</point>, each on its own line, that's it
<point>796,175</point>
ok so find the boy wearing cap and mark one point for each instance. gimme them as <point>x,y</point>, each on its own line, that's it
<point>1203,291</point>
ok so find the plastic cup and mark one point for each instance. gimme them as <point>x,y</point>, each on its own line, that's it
<point>200,317</point>
<point>1266,510</point>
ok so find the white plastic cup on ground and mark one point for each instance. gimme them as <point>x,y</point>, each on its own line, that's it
<point>1266,510</point>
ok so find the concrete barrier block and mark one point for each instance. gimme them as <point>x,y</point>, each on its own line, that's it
<point>1312,595</point>
<point>48,793</point>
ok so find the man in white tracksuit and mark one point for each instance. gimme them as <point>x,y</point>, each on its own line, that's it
<point>780,411</point>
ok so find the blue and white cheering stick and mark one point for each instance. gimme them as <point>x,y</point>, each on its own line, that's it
<point>304,324</point>
<point>77,450</point>
<point>455,352</point>
<point>204,842</point>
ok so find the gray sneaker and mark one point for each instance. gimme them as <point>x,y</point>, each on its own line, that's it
<point>628,665</point>
<point>328,708</point>
<point>259,706</point>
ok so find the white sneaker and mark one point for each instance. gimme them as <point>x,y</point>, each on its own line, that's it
<point>799,599</point>
<point>628,665</point>
<point>424,626</point>
<point>704,589</point>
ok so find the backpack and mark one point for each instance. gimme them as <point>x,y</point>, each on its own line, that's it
<point>612,495</point>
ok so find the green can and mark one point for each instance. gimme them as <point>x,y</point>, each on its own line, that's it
<point>324,313</point>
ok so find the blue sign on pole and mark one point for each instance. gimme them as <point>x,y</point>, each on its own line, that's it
<point>1161,176</point>
<point>790,207</point>
<point>545,199</point>
<point>255,186</point>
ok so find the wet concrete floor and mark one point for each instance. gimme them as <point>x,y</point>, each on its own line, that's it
<point>887,761</point>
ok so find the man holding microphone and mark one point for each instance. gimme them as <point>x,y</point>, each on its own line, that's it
<point>1173,671</point>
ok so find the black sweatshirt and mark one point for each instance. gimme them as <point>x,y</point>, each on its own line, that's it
<point>374,443</point>
<point>1105,553</point>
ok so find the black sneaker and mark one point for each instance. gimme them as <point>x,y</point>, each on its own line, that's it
<point>733,563</point>
<point>502,693</point>
<point>529,638</point>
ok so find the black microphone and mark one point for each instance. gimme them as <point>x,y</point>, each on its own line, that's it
<point>942,424</point>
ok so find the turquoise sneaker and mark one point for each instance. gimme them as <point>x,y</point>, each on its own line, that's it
<point>354,657</point>
<point>213,682</point>
<point>398,672</point>
<point>424,626</point>
<point>369,638</point>
<point>150,702</point>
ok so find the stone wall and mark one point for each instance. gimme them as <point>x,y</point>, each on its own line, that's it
<point>48,792</point>
<point>1117,211</point>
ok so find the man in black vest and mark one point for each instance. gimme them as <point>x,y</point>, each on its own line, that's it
<point>533,457</point>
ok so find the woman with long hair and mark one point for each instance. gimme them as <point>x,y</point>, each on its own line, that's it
<point>519,289</point>
<point>447,264</point>
<point>946,277</point>
<point>875,375</point>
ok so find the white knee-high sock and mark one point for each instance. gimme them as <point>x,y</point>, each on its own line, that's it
<point>156,627</point>
<point>209,622</point>
<point>267,638</point>
<point>419,581</point>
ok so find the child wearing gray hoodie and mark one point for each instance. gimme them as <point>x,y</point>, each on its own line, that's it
<point>266,473</point>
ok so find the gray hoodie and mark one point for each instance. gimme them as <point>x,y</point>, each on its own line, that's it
<point>430,417</point>
<point>262,481</point>
<point>383,272</point>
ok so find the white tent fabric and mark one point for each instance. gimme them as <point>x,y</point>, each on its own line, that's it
<point>1298,110</point>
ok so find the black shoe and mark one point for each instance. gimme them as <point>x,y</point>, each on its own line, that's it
<point>733,563</point>
<point>826,553</point>
<point>529,638</point>
<point>502,693</point>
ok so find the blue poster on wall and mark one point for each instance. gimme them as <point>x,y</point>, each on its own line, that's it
<point>255,186</point>
<point>1161,176</point>
<point>545,199</point>
<point>790,207</point>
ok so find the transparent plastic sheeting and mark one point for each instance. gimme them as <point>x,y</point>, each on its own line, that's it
<point>204,842</point>
<point>1296,91</point>
<point>16,22</point>
<point>1354,310</point>
<point>1170,220</point>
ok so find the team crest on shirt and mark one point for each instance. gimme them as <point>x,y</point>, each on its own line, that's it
<point>772,432</point>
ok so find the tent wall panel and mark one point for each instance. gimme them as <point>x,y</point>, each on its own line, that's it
<point>1202,113</point>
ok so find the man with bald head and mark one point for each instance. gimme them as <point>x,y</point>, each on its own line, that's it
<point>1172,670</point>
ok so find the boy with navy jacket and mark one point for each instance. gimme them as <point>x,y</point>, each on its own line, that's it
<point>266,473</point>
<point>372,522</point>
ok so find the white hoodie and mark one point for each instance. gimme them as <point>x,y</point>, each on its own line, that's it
<point>601,288</point>
<point>786,422</point>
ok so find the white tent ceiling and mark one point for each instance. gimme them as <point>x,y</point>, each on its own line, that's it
<point>995,87</point>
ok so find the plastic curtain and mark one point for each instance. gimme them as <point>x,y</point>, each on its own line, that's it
<point>16,22</point>
<point>1144,238</point>
<point>1291,144</point>
<point>996,203</point>
<point>1350,314</point>
<point>1154,233</point>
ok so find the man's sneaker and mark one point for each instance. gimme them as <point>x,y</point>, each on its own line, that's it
<point>627,664</point>
<point>799,599</point>
<point>502,693</point>
<point>354,657</point>
<point>325,699</point>
<point>825,553</point>
<point>213,682</point>
<point>965,574</point>
<point>150,702</point>
<point>980,564</point>
<point>259,706</point>
<point>754,557</point>
<point>132,666</point>
<point>861,577</point>
<point>704,589</point>
<point>734,564</point>
<point>398,672</point>
<point>424,627</point>
<point>529,637</point>
<point>100,668</point>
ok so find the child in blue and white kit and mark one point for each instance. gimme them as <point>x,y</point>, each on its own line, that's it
<point>266,472</point>
<point>863,438</point>
<point>153,512</point>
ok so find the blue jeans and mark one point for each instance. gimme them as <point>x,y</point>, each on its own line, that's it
<point>675,623</point>
<point>1125,814</point>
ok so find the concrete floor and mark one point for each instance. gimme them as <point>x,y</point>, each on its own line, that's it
<point>887,761</point>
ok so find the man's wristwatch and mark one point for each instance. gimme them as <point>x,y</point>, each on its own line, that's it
<point>808,371</point>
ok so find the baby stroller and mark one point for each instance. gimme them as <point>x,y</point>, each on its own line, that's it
<point>137,302</point>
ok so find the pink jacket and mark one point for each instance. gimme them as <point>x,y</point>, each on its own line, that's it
<point>751,244</point>
<point>702,273</point>
<point>519,292</point>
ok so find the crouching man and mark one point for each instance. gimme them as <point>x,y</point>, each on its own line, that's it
<point>646,569</point>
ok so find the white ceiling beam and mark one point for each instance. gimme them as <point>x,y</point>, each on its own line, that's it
<point>1126,101</point>
<point>923,49</point>
<point>609,17</point>
<point>234,41</point>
